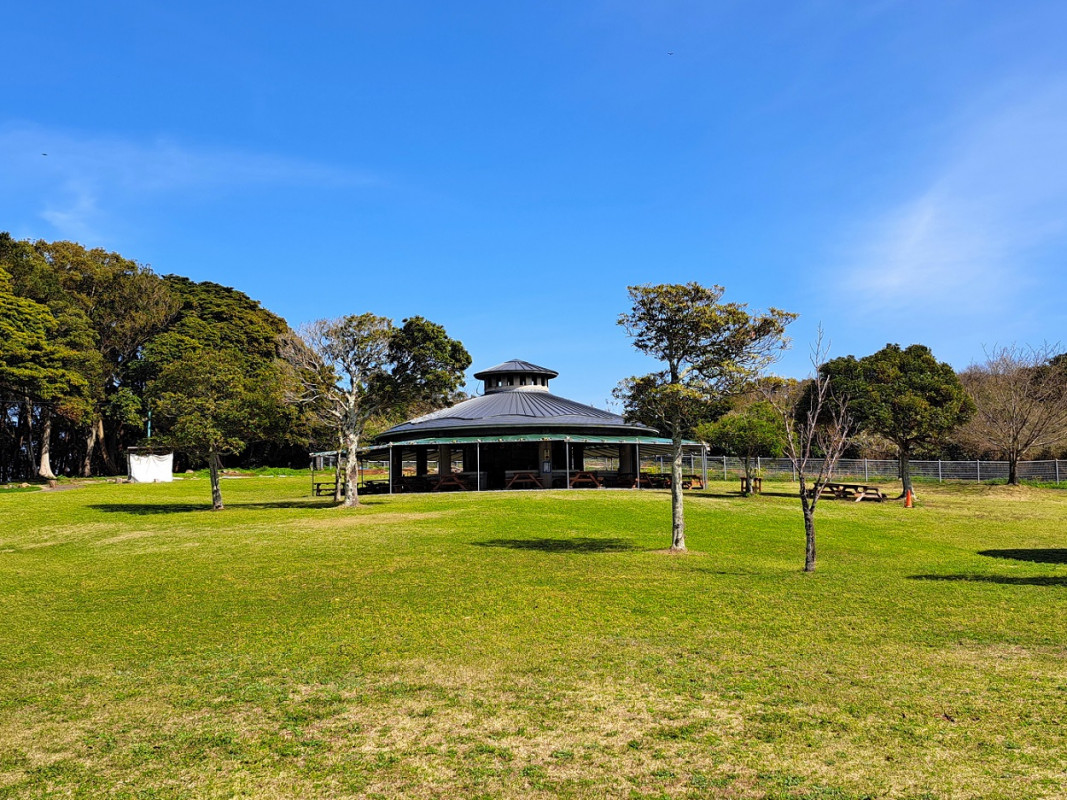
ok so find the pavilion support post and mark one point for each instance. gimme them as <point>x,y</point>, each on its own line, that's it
<point>704,466</point>
<point>421,461</point>
<point>567,458</point>
<point>637,471</point>
<point>390,469</point>
<point>478,466</point>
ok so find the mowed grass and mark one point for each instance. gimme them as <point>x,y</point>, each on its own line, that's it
<point>530,645</point>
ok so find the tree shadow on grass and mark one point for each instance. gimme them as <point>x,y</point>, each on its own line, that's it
<point>146,509</point>
<point>578,544</point>
<point>1007,580</point>
<point>1052,555</point>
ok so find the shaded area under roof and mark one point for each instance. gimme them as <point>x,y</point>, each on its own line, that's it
<point>595,445</point>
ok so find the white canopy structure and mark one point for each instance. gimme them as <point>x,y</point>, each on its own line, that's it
<point>151,467</point>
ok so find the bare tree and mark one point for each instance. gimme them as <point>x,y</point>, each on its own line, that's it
<point>1021,397</point>
<point>818,429</point>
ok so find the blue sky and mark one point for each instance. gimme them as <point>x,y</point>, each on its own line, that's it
<point>893,171</point>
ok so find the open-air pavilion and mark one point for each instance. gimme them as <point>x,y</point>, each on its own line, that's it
<point>518,435</point>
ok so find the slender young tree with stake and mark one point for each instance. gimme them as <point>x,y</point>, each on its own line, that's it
<point>708,350</point>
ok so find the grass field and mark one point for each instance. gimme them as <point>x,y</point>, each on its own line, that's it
<point>530,645</point>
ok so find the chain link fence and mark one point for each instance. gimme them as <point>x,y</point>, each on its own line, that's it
<point>1054,471</point>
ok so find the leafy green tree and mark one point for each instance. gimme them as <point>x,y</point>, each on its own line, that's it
<point>218,318</point>
<point>361,367</point>
<point>708,349</point>
<point>749,432</point>
<point>69,333</point>
<point>126,304</point>
<point>32,364</point>
<point>903,394</point>
<point>208,405</point>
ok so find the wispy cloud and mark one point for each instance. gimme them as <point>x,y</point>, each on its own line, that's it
<point>80,184</point>
<point>962,243</point>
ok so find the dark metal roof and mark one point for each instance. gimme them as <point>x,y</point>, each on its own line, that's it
<point>514,411</point>
<point>516,366</point>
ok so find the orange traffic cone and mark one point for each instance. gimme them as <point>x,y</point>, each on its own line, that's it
<point>909,501</point>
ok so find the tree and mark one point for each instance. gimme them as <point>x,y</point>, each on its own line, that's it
<point>817,427</point>
<point>1020,394</point>
<point>207,405</point>
<point>755,430</point>
<point>69,336</point>
<point>905,395</point>
<point>367,368</point>
<point>708,350</point>
<point>35,369</point>
<point>126,304</point>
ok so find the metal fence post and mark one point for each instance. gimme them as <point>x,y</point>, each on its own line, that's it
<point>1057,470</point>
<point>939,480</point>
<point>866,477</point>
<point>978,471</point>
<point>724,468</point>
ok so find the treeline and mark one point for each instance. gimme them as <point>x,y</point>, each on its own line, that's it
<point>91,343</point>
<point>85,337</point>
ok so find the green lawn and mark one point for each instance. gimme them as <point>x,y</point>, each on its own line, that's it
<point>530,645</point>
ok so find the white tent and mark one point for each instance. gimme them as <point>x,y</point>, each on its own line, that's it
<point>151,467</point>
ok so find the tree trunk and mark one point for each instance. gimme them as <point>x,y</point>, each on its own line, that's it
<point>1013,469</point>
<point>216,490</point>
<point>746,490</point>
<point>26,437</point>
<point>352,471</point>
<point>677,512</point>
<point>90,446</point>
<point>338,474</point>
<point>905,473</point>
<point>809,537</point>
<point>101,442</point>
<point>45,468</point>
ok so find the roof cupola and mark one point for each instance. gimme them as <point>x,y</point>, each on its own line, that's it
<point>516,375</point>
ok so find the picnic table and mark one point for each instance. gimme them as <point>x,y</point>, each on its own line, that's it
<point>585,479</point>
<point>853,491</point>
<point>654,481</point>
<point>692,481</point>
<point>320,488</point>
<point>454,480</point>
<point>528,478</point>
<point>756,488</point>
